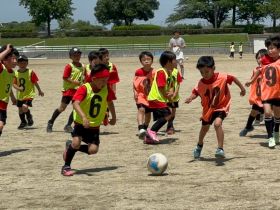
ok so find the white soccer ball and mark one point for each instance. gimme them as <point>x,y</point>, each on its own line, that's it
<point>157,163</point>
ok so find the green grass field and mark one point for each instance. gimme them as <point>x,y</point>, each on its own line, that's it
<point>202,38</point>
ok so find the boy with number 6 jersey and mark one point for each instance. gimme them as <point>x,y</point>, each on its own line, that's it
<point>25,82</point>
<point>215,100</point>
<point>90,103</point>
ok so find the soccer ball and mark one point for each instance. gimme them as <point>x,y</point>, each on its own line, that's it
<point>157,163</point>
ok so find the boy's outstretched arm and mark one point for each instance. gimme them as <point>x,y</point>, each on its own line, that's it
<point>41,93</point>
<point>112,110</point>
<point>242,89</point>
<point>190,98</point>
<point>256,75</point>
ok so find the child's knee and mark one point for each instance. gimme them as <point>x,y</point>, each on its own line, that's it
<point>217,124</point>
<point>92,149</point>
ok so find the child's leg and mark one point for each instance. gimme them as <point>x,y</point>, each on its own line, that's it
<point>219,132</point>
<point>68,128</point>
<point>163,115</point>
<point>1,127</point>
<point>57,112</point>
<point>269,124</point>
<point>141,118</point>
<point>147,120</point>
<point>276,111</point>
<point>3,117</point>
<point>170,126</point>
<point>202,133</point>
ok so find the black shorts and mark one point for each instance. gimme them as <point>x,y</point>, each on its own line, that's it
<point>160,113</point>
<point>89,135</point>
<point>3,116</point>
<point>274,102</point>
<point>26,102</point>
<point>215,115</point>
<point>66,99</point>
<point>147,109</point>
<point>257,108</point>
<point>173,104</point>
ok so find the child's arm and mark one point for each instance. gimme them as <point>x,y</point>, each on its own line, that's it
<point>112,110</point>
<point>41,93</point>
<point>175,92</point>
<point>15,85</point>
<point>5,52</point>
<point>238,83</point>
<point>13,98</point>
<point>190,98</point>
<point>256,75</point>
<point>73,81</point>
<point>77,107</point>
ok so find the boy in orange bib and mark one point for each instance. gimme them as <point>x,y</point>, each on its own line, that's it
<point>215,100</point>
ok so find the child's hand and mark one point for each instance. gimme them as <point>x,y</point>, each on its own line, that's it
<point>247,84</point>
<point>85,122</point>
<point>21,89</point>
<point>112,121</point>
<point>243,92</point>
<point>188,100</point>
<point>41,93</point>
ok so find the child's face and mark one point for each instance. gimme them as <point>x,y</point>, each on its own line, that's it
<point>146,61</point>
<point>99,83</point>
<point>10,62</point>
<point>259,58</point>
<point>171,65</point>
<point>76,57</point>
<point>22,64</point>
<point>95,61</point>
<point>206,72</point>
<point>105,59</point>
<point>273,52</point>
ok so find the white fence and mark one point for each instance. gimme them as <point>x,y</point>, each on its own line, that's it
<point>43,51</point>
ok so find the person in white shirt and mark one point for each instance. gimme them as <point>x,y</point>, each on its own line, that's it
<point>176,44</point>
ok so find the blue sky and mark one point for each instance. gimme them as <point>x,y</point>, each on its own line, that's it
<point>84,11</point>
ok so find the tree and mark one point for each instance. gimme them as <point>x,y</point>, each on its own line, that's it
<point>214,12</point>
<point>44,11</point>
<point>273,10</point>
<point>124,11</point>
<point>251,10</point>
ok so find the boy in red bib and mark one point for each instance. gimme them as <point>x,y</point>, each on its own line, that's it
<point>215,100</point>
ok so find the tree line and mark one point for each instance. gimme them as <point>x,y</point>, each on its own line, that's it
<point>125,12</point>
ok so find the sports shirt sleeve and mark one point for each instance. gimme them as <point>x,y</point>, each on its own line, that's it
<point>161,79</point>
<point>230,79</point>
<point>34,77</point>
<point>80,94</point>
<point>67,71</point>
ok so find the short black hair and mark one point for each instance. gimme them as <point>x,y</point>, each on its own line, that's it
<point>261,52</point>
<point>146,53</point>
<point>93,55</point>
<point>97,68</point>
<point>273,40</point>
<point>103,51</point>
<point>205,61</point>
<point>13,51</point>
<point>165,57</point>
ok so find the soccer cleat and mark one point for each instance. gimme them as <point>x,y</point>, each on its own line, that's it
<point>67,144</point>
<point>67,171</point>
<point>152,135</point>
<point>22,125</point>
<point>220,153</point>
<point>49,127</point>
<point>245,131</point>
<point>170,131</point>
<point>148,140</point>
<point>276,137</point>
<point>30,121</point>
<point>142,133</point>
<point>271,142</point>
<point>197,152</point>
<point>68,129</point>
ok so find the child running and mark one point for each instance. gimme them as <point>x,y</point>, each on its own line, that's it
<point>8,58</point>
<point>90,103</point>
<point>255,95</point>
<point>270,89</point>
<point>24,82</point>
<point>215,100</point>
<point>160,94</point>
<point>141,88</point>
<point>73,77</point>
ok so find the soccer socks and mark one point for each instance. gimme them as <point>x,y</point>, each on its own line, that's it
<point>276,124</point>
<point>269,124</point>
<point>70,155</point>
<point>250,122</point>
<point>22,117</point>
<point>84,148</point>
<point>170,123</point>
<point>54,116</point>
<point>158,124</point>
<point>70,119</point>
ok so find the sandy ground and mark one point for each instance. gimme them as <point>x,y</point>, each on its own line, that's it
<point>117,177</point>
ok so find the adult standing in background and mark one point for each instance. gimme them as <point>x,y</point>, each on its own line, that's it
<point>176,44</point>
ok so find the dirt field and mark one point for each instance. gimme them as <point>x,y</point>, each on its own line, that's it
<point>117,177</point>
